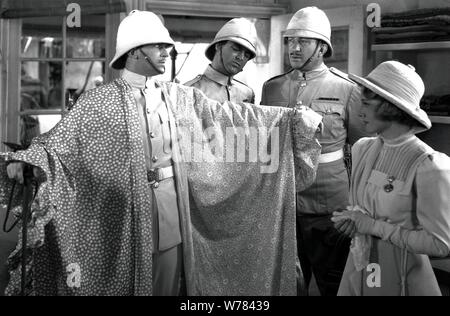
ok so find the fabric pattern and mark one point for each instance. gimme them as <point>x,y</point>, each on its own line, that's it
<point>91,232</point>
<point>95,201</point>
<point>242,220</point>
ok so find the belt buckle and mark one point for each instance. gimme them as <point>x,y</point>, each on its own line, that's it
<point>152,176</point>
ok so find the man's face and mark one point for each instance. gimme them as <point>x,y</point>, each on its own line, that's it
<point>300,50</point>
<point>156,56</point>
<point>234,57</point>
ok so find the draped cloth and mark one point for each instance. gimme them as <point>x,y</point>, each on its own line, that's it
<point>91,232</point>
<point>362,166</point>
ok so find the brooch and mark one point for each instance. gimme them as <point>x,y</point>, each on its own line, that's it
<point>389,187</point>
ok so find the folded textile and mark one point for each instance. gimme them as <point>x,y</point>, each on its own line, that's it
<point>410,28</point>
<point>415,39</point>
<point>412,35</point>
<point>420,13</point>
<point>432,20</point>
<point>436,105</point>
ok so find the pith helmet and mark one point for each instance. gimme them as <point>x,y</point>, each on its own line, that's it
<point>137,29</point>
<point>238,30</point>
<point>313,23</point>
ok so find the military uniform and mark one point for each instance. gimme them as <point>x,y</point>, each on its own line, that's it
<point>330,93</point>
<point>220,87</point>
<point>156,132</point>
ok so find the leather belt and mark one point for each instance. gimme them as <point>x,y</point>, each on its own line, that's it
<point>330,157</point>
<point>159,174</point>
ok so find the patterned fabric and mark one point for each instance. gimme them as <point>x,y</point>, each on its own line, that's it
<point>91,215</point>
<point>243,221</point>
<point>92,229</point>
<point>337,99</point>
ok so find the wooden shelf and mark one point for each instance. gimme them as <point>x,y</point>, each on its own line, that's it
<point>411,46</point>
<point>439,119</point>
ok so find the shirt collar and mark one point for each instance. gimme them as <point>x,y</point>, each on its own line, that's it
<point>311,74</point>
<point>135,80</point>
<point>217,76</point>
<point>138,81</point>
<point>400,140</point>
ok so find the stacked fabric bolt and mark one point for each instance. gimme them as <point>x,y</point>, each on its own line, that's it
<point>421,25</point>
<point>436,105</point>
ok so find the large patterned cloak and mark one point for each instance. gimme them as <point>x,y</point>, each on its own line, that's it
<point>91,229</point>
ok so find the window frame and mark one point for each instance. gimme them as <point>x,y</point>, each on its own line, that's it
<point>11,59</point>
<point>64,60</point>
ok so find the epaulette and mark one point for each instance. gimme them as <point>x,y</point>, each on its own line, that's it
<point>279,76</point>
<point>341,74</point>
<point>241,83</point>
<point>191,82</point>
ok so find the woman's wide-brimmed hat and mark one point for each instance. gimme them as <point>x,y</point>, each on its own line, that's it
<point>399,84</point>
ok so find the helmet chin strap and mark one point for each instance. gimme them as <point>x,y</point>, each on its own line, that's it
<point>310,59</point>
<point>148,60</point>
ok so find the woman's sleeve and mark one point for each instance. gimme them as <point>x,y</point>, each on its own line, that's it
<point>432,237</point>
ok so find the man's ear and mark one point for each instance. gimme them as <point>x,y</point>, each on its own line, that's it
<point>133,54</point>
<point>323,48</point>
<point>218,47</point>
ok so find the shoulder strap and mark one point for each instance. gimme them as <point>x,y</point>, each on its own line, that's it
<point>279,76</point>
<point>191,82</point>
<point>243,83</point>
<point>341,74</point>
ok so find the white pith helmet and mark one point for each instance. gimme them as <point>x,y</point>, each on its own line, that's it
<point>238,30</point>
<point>311,22</point>
<point>137,29</point>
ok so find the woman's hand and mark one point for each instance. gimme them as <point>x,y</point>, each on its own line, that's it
<point>363,223</point>
<point>346,227</point>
